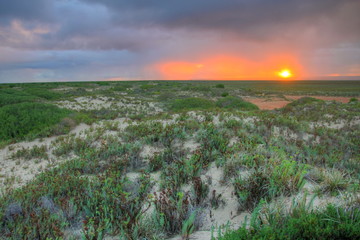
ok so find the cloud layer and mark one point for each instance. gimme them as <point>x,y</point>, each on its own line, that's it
<point>47,40</point>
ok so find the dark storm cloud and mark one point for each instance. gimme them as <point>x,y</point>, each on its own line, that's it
<point>251,18</point>
<point>133,25</point>
<point>26,10</point>
<point>68,25</point>
<point>154,30</point>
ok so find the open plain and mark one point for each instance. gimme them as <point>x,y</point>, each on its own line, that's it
<point>180,160</point>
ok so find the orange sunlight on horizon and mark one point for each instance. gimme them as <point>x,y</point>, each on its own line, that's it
<point>285,73</point>
<point>226,67</point>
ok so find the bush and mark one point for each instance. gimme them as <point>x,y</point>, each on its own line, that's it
<point>119,88</point>
<point>332,223</point>
<point>220,85</point>
<point>12,96</point>
<point>353,100</point>
<point>191,103</point>
<point>269,181</point>
<point>22,120</point>
<point>225,94</point>
<point>173,209</point>
<point>29,153</point>
<point>303,101</point>
<point>62,198</point>
<point>147,86</point>
<point>235,103</point>
<point>43,93</point>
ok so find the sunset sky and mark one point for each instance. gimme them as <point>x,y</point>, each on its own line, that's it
<point>78,40</point>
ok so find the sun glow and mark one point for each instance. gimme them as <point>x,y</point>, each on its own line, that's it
<point>231,67</point>
<point>285,73</point>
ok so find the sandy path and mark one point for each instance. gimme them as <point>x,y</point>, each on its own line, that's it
<point>267,104</point>
<point>274,103</point>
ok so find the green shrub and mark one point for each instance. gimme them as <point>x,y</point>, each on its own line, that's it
<point>43,93</point>
<point>220,85</point>
<point>29,153</point>
<point>269,181</point>
<point>12,96</point>
<point>331,223</point>
<point>303,101</point>
<point>147,86</point>
<point>191,103</point>
<point>119,88</point>
<point>103,113</point>
<point>235,103</point>
<point>62,198</point>
<point>353,100</point>
<point>331,181</point>
<point>22,120</point>
<point>225,94</point>
<point>173,209</point>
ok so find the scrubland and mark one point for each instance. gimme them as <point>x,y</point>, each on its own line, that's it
<point>180,160</point>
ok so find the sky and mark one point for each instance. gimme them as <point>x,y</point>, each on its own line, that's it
<point>88,40</point>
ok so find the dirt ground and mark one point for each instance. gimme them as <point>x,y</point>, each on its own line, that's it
<point>271,103</point>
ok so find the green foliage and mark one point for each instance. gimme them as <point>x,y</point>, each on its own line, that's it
<point>220,85</point>
<point>29,153</point>
<point>120,88</point>
<point>230,102</point>
<point>188,227</point>
<point>301,102</point>
<point>269,181</point>
<point>12,96</point>
<point>173,208</point>
<point>106,204</point>
<point>22,120</point>
<point>147,86</point>
<point>200,190</point>
<point>43,93</point>
<point>331,181</point>
<point>352,100</point>
<point>191,104</point>
<point>103,113</point>
<point>225,94</point>
<point>331,223</point>
<point>265,154</point>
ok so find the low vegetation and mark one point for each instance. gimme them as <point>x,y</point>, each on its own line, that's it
<point>191,104</point>
<point>29,120</point>
<point>330,223</point>
<point>157,159</point>
<point>230,102</point>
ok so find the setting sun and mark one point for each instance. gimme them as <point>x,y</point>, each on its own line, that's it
<point>285,73</point>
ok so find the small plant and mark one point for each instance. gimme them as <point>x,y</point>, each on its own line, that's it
<point>216,200</point>
<point>269,181</point>
<point>220,85</point>
<point>353,100</point>
<point>188,226</point>
<point>333,181</point>
<point>156,162</point>
<point>330,223</point>
<point>30,153</point>
<point>200,189</point>
<point>174,208</point>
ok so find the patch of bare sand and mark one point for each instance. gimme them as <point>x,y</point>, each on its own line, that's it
<point>267,103</point>
<point>276,102</point>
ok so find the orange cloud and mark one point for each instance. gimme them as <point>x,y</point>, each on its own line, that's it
<point>228,67</point>
<point>178,70</point>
